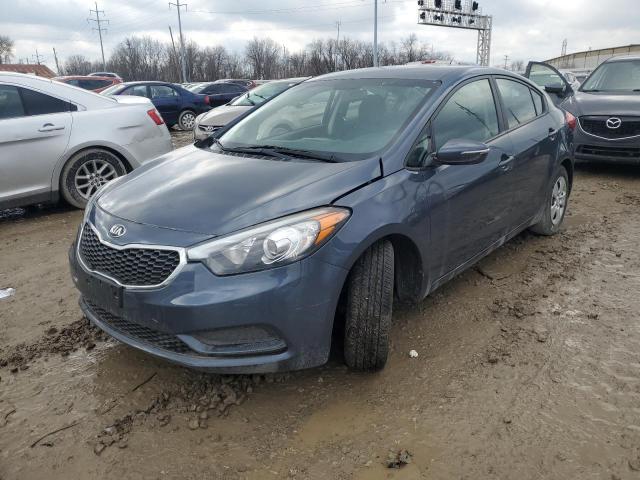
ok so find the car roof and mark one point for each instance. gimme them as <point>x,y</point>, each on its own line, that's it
<point>82,77</point>
<point>435,72</point>
<point>150,82</point>
<point>622,58</point>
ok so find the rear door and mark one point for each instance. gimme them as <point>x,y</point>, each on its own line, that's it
<point>549,79</point>
<point>168,102</point>
<point>34,133</point>
<point>534,135</point>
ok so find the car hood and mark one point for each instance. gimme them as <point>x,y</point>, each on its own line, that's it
<point>583,103</point>
<point>200,191</point>
<point>220,116</point>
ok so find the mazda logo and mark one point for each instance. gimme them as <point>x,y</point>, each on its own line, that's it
<point>117,231</point>
<point>614,123</point>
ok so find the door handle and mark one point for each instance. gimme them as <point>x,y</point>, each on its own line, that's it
<point>506,162</point>
<point>50,127</point>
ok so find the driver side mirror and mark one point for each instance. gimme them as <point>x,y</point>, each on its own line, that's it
<point>555,89</point>
<point>461,152</point>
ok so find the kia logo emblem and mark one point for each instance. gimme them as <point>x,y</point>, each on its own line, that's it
<point>614,123</point>
<point>117,231</point>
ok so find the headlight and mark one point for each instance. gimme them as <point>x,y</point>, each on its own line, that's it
<point>270,244</point>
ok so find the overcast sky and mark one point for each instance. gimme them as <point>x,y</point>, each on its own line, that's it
<point>524,30</point>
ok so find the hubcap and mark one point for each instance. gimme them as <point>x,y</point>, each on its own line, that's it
<point>92,175</point>
<point>188,120</point>
<point>558,200</point>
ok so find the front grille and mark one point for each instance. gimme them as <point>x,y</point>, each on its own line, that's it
<point>139,332</point>
<point>610,151</point>
<point>597,125</point>
<point>144,267</point>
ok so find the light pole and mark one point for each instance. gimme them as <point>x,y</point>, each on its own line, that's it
<point>375,34</point>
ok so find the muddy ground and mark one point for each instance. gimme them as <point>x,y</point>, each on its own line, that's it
<point>528,367</point>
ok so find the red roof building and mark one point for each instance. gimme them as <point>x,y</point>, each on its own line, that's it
<point>30,68</point>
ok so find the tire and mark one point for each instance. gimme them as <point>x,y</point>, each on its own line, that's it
<point>555,206</point>
<point>369,309</point>
<point>87,171</point>
<point>187,120</point>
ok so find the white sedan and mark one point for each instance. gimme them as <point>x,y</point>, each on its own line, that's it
<point>59,140</point>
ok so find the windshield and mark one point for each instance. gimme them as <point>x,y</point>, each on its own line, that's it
<point>111,89</point>
<point>617,76</point>
<point>348,118</point>
<point>261,94</point>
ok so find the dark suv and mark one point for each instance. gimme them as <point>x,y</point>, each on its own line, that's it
<point>245,251</point>
<point>607,106</point>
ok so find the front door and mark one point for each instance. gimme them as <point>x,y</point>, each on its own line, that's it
<point>549,79</point>
<point>34,133</point>
<point>471,205</point>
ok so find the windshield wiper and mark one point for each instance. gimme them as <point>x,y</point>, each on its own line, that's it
<point>294,152</point>
<point>250,150</point>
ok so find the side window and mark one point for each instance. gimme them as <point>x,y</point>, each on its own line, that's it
<point>517,102</point>
<point>36,103</point>
<point>469,114</point>
<point>88,84</point>
<point>10,102</point>
<point>212,89</point>
<point>537,100</point>
<point>136,90</point>
<point>162,91</point>
<point>74,81</point>
<point>544,76</point>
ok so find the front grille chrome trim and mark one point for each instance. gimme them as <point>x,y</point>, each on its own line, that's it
<point>608,139</point>
<point>181,252</point>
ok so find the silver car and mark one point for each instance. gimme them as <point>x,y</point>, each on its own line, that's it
<point>210,121</point>
<point>57,140</point>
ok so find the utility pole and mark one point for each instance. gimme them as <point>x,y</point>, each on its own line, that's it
<point>175,52</point>
<point>375,34</point>
<point>338,24</point>
<point>55,55</point>
<point>179,5</point>
<point>37,57</point>
<point>506,59</point>
<point>100,29</point>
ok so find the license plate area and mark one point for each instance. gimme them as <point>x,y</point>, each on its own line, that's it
<point>105,294</point>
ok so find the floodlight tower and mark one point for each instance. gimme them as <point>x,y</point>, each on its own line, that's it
<point>464,14</point>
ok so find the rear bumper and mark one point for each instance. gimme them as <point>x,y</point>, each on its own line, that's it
<point>284,316</point>
<point>149,148</point>
<point>593,149</point>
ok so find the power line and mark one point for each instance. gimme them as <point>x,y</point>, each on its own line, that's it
<point>184,63</point>
<point>100,29</point>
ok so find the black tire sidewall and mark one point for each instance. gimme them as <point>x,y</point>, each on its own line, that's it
<point>67,179</point>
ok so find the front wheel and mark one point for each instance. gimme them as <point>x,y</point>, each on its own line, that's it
<point>555,205</point>
<point>187,120</point>
<point>369,309</point>
<point>86,172</point>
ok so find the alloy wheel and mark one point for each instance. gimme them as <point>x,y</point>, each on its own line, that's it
<point>187,121</point>
<point>558,200</point>
<point>92,175</point>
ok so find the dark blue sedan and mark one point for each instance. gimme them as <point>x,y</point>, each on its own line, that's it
<point>266,241</point>
<point>177,105</point>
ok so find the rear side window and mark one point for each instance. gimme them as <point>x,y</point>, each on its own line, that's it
<point>36,103</point>
<point>517,102</point>
<point>93,84</point>
<point>136,90</point>
<point>162,91</point>
<point>470,114</point>
<point>10,102</point>
<point>537,101</point>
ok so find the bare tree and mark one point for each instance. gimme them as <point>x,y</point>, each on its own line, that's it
<point>517,66</point>
<point>77,65</point>
<point>6,49</point>
<point>263,56</point>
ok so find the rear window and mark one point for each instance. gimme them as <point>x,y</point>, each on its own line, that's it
<point>517,101</point>
<point>36,103</point>
<point>93,84</point>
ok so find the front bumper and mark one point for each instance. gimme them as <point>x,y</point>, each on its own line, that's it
<point>274,320</point>
<point>200,132</point>
<point>593,149</point>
